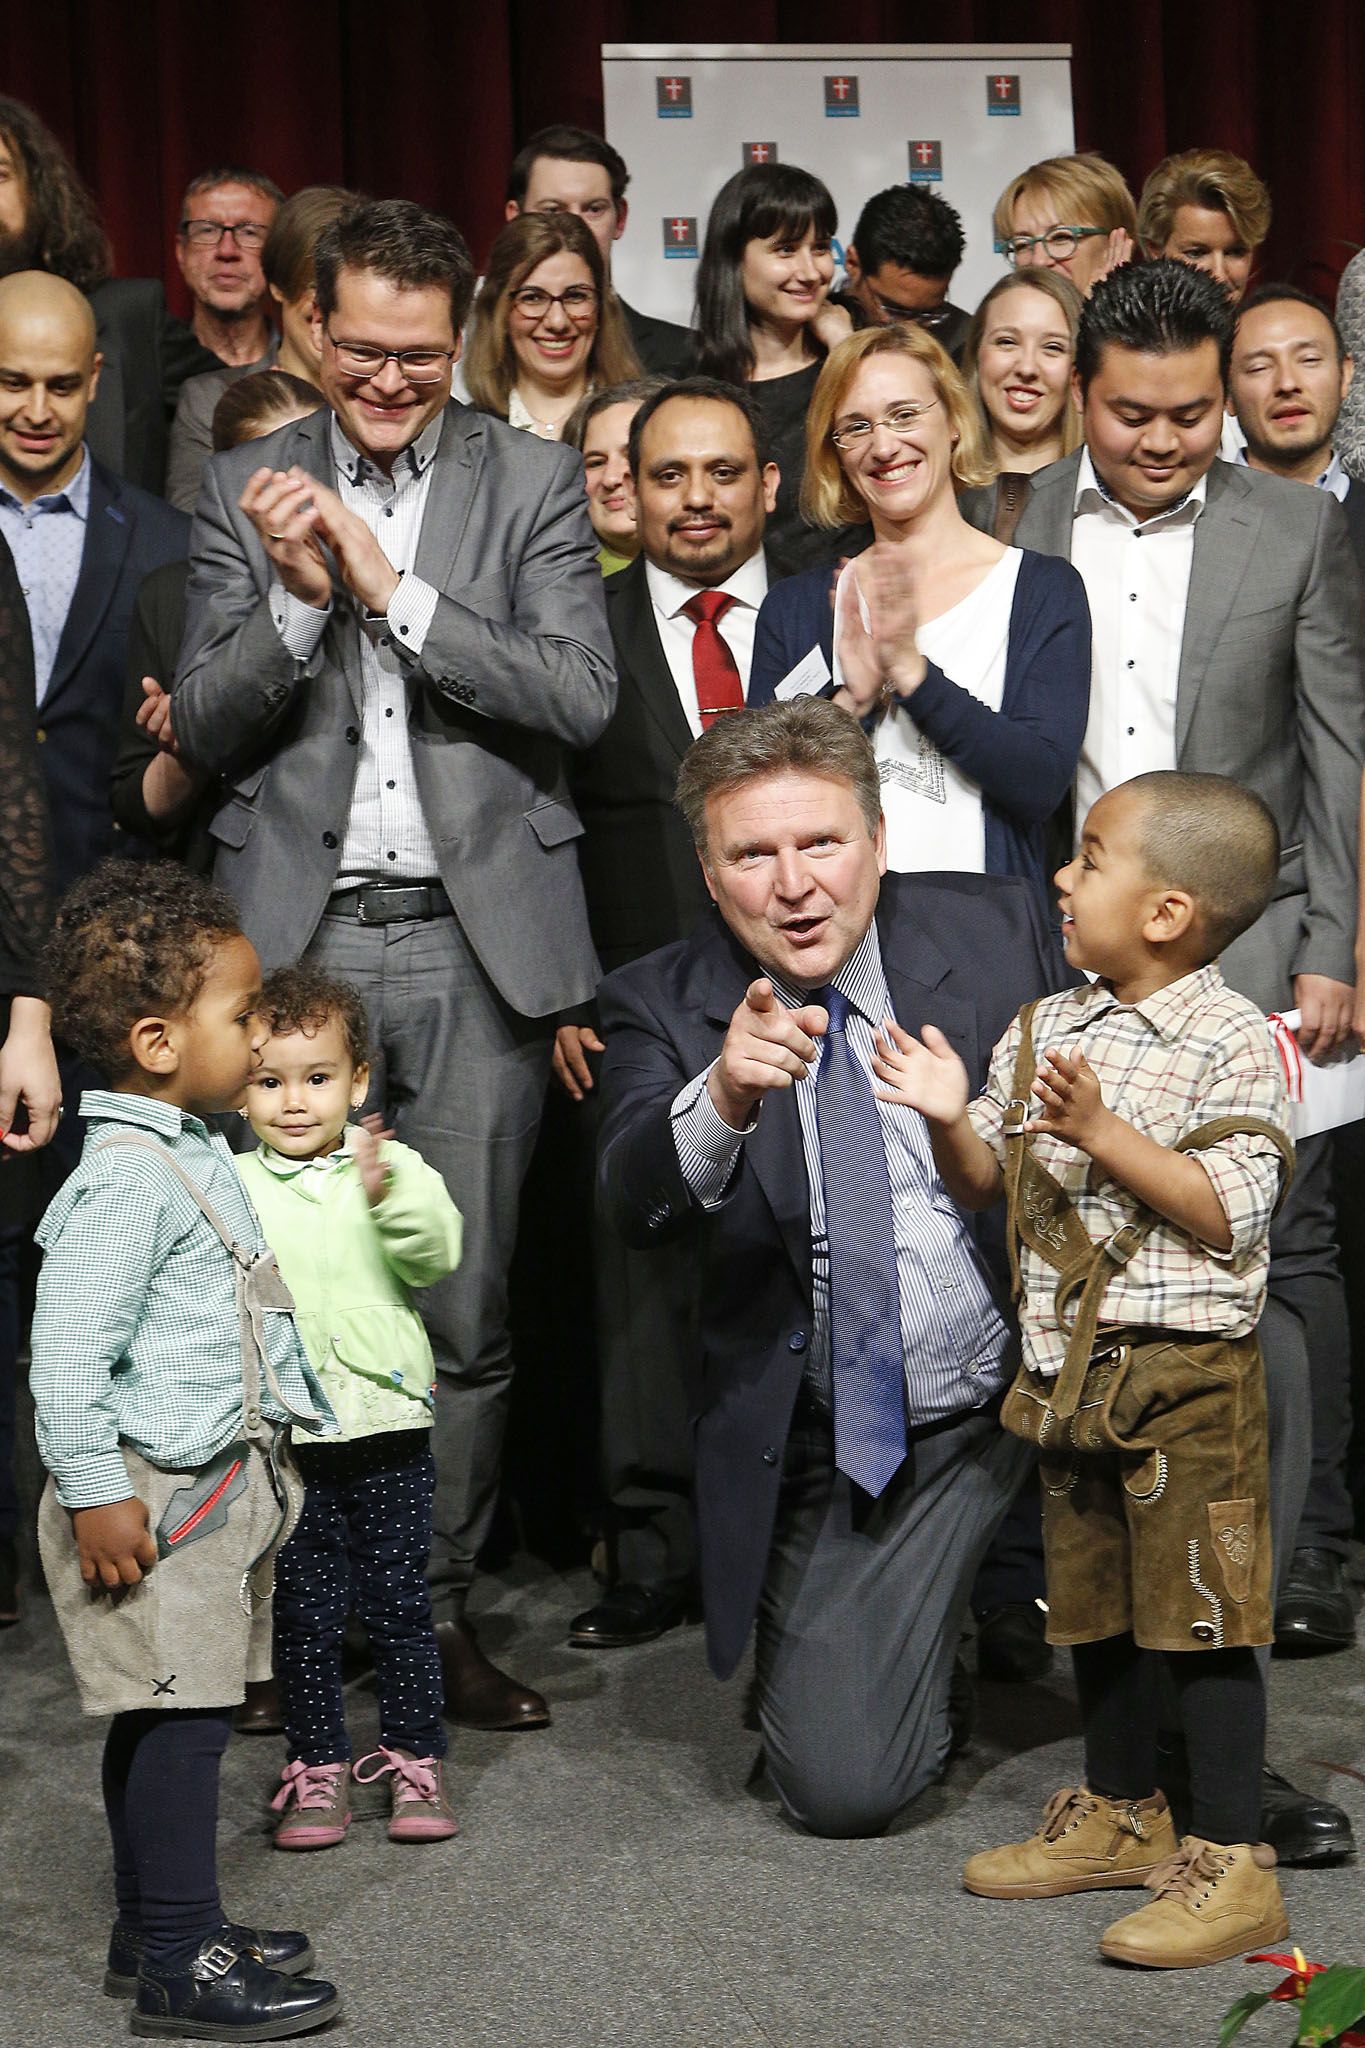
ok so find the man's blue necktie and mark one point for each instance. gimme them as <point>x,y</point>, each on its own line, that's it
<point>865,1337</point>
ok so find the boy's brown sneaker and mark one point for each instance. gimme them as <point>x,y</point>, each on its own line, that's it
<point>1211,1903</point>
<point>1086,1844</point>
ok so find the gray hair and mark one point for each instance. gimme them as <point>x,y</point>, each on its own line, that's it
<point>808,736</point>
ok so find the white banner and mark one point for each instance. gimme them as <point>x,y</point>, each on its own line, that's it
<point>961,119</point>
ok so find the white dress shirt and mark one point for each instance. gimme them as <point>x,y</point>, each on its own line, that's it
<point>1333,478</point>
<point>1137,579</point>
<point>668,594</point>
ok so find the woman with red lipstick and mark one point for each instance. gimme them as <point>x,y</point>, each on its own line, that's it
<point>1017,361</point>
<point>547,328</point>
<point>967,661</point>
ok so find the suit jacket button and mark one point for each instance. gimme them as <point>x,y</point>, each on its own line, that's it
<point>329,839</point>
<point>353,736</point>
<point>42,735</point>
<point>797,1341</point>
<point>769,1455</point>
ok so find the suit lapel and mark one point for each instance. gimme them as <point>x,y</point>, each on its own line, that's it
<point>1225,536</point>
<point>455,472</point>
<point>108,536</point>
<point>644,661</point>
<point>916,969</point>
<point>1045,523</point>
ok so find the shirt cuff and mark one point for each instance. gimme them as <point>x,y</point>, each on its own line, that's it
<point>708,1148</point>
<point>93,1479</point>
<point>411,611</point>
<point>299,625</point>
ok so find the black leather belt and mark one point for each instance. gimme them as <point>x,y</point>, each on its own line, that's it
<point>391,902</point>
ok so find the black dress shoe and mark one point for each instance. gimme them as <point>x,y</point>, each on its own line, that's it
<point>961,1708</point>
<point>1012,1645</point>
<point>9,1582</point>
<point>1315,1611</point>
<point>477,1694</point>
<point>1299,1828</point>
<point>260,1712</point>
<point>628,1614</point>
<point>282,1949</point>
<point>224,1994</point>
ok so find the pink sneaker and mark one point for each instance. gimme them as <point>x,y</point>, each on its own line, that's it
<point>316,1803</point>
<point>420,1811</point>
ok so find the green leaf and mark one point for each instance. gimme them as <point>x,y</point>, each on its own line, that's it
<point>1334,2001</point>
<point>1236,2016</point>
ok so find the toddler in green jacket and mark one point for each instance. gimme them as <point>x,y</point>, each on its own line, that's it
<point>355,1220</point>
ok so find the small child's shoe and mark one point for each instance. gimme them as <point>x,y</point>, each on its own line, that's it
<point>1086,1843</point>
<point>316,1803</point>
<point>419,1809</point>
<point>282,1949</point>
<point>1211,1903</point>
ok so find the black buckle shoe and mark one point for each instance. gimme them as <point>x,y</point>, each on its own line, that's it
<point>1315,1612</point>
<point>626,1615</point>
<point>224,1994</point>
<point>282,1949</point>
<point>1300,1829</point>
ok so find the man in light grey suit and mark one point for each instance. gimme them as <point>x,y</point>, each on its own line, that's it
<point>1228,638</point>
<point>395,630</point>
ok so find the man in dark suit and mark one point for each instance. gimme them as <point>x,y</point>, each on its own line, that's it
<point>395,633</point>
<point>850,1468</point>
<point>1228,631</point>
<point>702,491</point>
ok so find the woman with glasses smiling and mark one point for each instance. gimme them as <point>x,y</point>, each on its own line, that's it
<point>967,661</point>
<point>1070,213</point>
<point>547,327</point>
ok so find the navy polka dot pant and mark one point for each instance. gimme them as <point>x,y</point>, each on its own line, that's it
<point>361,1541</point>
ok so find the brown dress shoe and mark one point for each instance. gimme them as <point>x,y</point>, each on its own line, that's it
<point>477,1694</point>
<point>260,1712</point>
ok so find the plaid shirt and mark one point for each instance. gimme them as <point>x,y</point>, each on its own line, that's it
<point>1189,1053</point>
<point>135,1333</point>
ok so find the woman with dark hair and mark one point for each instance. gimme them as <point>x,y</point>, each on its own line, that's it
<point>547,328</point>
<point>764,319</point>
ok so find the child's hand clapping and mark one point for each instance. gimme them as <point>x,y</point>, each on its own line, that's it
<point>374,1174</point>
<point>1072,1105</point>
<point>923,1073</point>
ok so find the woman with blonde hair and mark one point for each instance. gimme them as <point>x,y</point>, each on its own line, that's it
<point>969,661</point>
<point>1017,362</point>
<point>548,328</point>
<point>1069,213</point>
<point>1209,208</point>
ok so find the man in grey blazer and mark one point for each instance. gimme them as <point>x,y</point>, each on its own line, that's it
<point>395,630</point>
<point>1226,607</point>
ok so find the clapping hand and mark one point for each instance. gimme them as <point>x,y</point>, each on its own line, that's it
<point>374,1174</point>
<point>1072,1105</point>
<point>1117,250</point>
<point>921,1073</point>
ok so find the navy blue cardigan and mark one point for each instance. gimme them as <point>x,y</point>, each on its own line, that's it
<point>1023,756</point>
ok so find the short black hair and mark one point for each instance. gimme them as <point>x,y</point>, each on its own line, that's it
<point>1274,294</point>
<point>303,999</point>
<point>719,392</point>
<point>1214,838</point>
<point>405,244</point>
<point>572,145</point>
<point>1162,308</point>
<point>912,228</point>
<point>132,939</point>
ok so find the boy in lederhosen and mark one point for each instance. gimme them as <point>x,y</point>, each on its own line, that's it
<point>166,1369</point>
<point>1138,1128</point>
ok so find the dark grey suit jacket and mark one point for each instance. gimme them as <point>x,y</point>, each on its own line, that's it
<point>516,669</point>
<point>1271,691</point>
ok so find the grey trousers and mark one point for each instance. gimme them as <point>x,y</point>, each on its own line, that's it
<point>461,1077</point>
<point>860,1616</point>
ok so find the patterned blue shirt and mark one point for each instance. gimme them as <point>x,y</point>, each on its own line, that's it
<point>135,1333</point>
<point>47,541</point>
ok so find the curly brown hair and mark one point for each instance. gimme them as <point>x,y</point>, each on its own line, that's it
<point>132,939</point>
<point>302,999</point>
<point>62,228</point>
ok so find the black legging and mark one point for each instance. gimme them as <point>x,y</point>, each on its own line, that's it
<point>161,1797</point>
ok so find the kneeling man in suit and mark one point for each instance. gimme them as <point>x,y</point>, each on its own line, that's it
<point>850,1467</point>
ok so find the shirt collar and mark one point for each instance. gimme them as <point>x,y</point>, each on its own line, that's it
<point>1093,494</point>
<point>1333,478</point>
<point>110,1106</point>
<point>285,1168</point>
<point>1167,1010</point>
<point>862,978</point>
<point>668,593</point>
<point>413,460</point>
<point>73,497</point>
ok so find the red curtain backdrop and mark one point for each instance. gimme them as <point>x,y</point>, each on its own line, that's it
<point>430,100</point>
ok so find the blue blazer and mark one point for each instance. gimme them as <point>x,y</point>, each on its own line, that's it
<point>963,952</point>
<point>128,534</point>
<point>1023,756</point>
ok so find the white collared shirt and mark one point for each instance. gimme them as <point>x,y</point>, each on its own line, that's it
<point>668,594</point>
<point>1333,478</point>
<point>1137,579</point>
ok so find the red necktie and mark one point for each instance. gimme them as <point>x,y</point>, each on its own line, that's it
<point>713,665</point>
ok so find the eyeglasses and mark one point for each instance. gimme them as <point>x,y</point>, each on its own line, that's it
<point>579,301</point>
<point>1059,243</point>
<point>901,419</point>
<point>207,234</point>
<point>933,321</point>
<point>367,359</point>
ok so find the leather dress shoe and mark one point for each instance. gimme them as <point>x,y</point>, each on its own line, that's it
<point>260,1712</point>
<point>224,1994</point>
<point>477,1694</point>
<point>628,1614</point>
<point>1315,1611</point>
<point>282,1949</point>
<point>1012,1645</point>
<point>1299,1828</point>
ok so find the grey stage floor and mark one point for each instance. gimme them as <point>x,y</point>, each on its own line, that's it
<point>616,1883</point>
